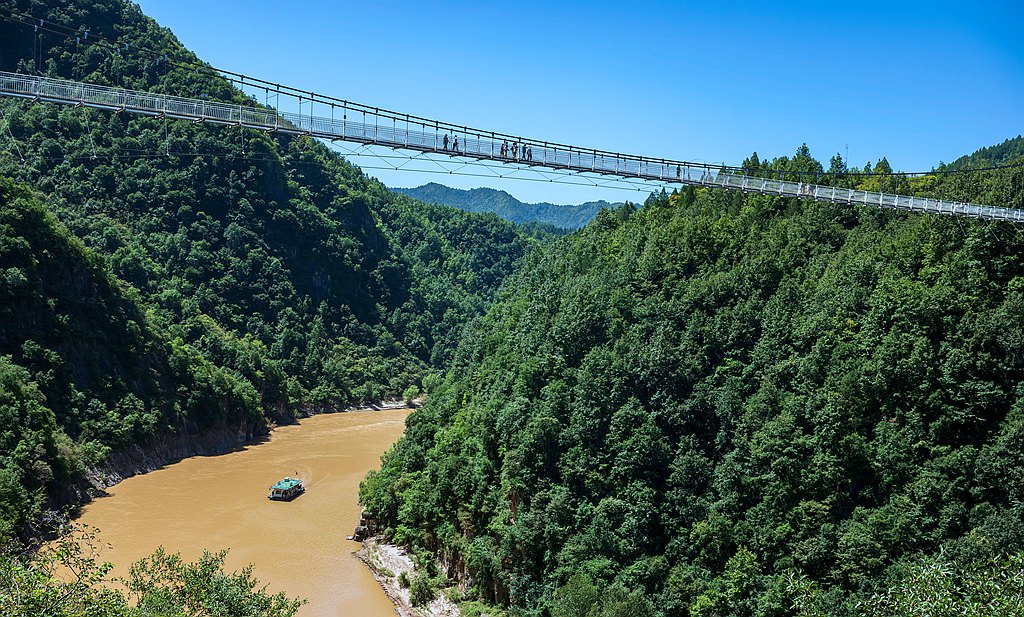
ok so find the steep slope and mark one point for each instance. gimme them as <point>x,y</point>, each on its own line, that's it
<point>83,370</point>
<point>456,262</point>
<point>259,239</point>
<point>272,268</point>
<point>507,206</point>
<point>1001,154</point>
<point>682,408</point>
<point>223,232</point>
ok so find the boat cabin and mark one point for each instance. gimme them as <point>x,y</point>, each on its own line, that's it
<point>286,489</point>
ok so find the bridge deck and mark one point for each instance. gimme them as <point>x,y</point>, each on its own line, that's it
<point>378,127</point>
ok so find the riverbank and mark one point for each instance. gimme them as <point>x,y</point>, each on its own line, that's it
<point>308,411</point>
<point>219,503</point>
<point>387,563</point>
<point>171,448</point>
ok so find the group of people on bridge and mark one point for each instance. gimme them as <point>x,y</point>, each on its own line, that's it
<point>524,152</point>
<point>454,143</point>
<point>515,151</point>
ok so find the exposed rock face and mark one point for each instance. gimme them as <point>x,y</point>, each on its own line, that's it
<point>162,450</point>
<point>387,562</point>
<point>190,440</point>
<point>366,528</point>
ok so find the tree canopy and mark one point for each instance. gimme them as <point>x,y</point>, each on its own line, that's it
<point>699,399</point>
<point>167,278</point>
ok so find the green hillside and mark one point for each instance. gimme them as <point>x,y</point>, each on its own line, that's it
<point>507,206</point>
<point>83,369</point>
<point>1001,154</point>
<point>233,275</point>
<point>715,404</point>
<point>704,405</point>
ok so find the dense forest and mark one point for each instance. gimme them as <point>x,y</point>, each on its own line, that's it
<point>1001,154</point>
<point>713,404</point>
<point>728,404</point>
<point>164,277</point>
<point>508,207</point>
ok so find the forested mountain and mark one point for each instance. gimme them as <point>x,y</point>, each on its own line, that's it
<point>1009,150</point>
<point>206,277</point>
<point>704,406</point>
<point>507,206</point>
<point>82,369</point>
<point>717,402</point>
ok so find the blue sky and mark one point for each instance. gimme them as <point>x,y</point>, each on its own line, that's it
<point>916,82</point>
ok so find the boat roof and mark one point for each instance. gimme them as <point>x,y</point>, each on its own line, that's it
<point>286,484</point>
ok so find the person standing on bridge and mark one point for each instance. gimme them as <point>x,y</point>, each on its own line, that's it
<point>456,146</point>
<point>446,142</point>
<point>679,172</point>
<point>515,150</point>
<point>504,148</point>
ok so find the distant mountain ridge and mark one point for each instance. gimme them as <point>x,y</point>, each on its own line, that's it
<point>506,206</point>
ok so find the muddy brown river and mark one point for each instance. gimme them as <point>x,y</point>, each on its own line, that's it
<point>220,502</point>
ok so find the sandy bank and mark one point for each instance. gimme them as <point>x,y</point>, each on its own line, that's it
<point>387,562</point>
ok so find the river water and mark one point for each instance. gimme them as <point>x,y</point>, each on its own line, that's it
<point>220,502</point>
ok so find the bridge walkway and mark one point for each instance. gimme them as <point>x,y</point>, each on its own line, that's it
<point>372,126</point>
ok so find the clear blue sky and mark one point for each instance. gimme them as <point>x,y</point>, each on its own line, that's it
<point>916,82</point>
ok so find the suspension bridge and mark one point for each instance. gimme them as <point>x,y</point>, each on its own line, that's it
<point>372,126</point>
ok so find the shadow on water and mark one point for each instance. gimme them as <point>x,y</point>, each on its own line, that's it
<point>290,499</point>
<point>241,447</point>
<point>96,494</point>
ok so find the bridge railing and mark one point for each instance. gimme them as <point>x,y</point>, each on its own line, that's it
<point>412,135</point>
<point>389,129</point>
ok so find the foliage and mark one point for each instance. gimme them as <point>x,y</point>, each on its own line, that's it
<point>933,585</point>
<point>171,277</point>
<point>475,608</point>
<point>82,368</point>
<point>29,442</point>
<point>421,589</point>
<point>65,579</point>
<point>703,399</point>
<point>942,588</point>
<point>411,394</point>
<point>681,409</point>
<point>1006,152</point>
<point>163,584</point>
